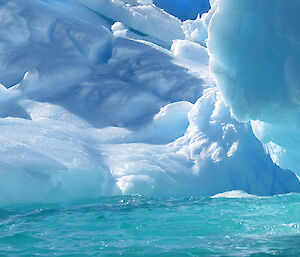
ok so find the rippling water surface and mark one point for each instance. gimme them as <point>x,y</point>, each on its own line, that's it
<point>143,226</point>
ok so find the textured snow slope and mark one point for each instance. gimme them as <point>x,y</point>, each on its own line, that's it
<point>255,58</point>
<point>90,107</point>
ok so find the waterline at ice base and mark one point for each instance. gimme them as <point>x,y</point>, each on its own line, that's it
<point>104,98</point>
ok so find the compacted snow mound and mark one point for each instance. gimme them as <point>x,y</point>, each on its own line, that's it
<point>197,30</point>
<point>255,59</point>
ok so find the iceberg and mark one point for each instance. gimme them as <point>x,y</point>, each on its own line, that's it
<point>95,100</point>
<point>254,50</point>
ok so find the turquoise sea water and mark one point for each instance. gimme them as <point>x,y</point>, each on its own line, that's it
<point>143,226</point>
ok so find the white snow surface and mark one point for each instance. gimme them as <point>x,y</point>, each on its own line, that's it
<point>92,106</point>
<point>255,59</point>
<point>234,194</point>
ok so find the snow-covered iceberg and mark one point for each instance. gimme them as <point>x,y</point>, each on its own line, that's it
<point>255,59</point>
<point>95,103</point>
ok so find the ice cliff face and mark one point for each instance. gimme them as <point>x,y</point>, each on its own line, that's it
<point>111,97</point>
<point>255,58</point>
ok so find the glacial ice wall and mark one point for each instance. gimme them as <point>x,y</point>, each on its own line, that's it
<point>255,58</point>
<point>91,105</point>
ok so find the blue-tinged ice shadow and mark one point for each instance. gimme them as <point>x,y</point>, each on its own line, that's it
<point>130,89</point>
